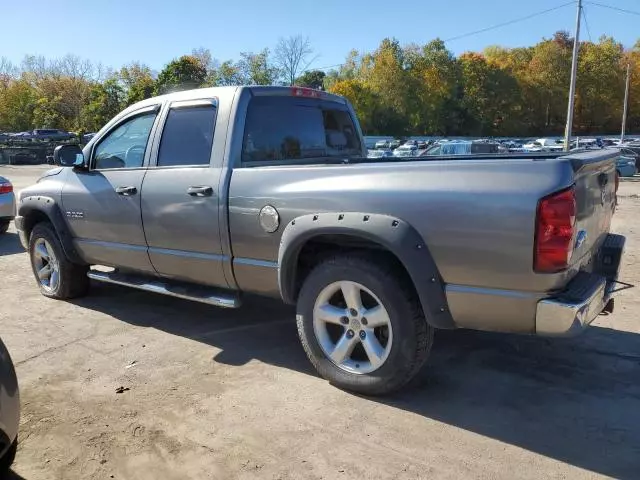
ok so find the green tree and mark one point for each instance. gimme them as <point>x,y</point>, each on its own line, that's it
<point>17,100</point>
<point>185,73</point>
<point>256,69</point>
<point>138,82</point>
<point>105,101</point>
<point>311,79</point>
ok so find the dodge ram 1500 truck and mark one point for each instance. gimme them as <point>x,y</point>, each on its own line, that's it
<point>211,193</point>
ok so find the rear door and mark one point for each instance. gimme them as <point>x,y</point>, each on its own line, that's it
<point>180,198</point>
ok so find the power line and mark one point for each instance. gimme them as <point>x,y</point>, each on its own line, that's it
<point>586,24</point>
<point>623,10</point>
<point>493,27</point>
<point>510,22</point>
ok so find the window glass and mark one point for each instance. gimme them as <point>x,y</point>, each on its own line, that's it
<point>124,147</point>
<point>187,137</point>
<point>289,128</point>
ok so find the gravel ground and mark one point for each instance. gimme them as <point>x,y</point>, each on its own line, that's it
<point>218,394</point>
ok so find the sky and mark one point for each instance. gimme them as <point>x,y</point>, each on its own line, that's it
<point>117,32</point>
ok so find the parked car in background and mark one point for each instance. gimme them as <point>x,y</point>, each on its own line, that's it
<point>409,150</point>
<point>51,135</point>
<point>382,144</point>
<point>393,144</point>
<point>462,147</point>
<point>545,145</point>
<point>45,135</point>
<point>380,154</point>
<point>9,411</point>
<point>87,136</point>
<point>631,150</point>
<point>7,204</point>
<point>626,166</point>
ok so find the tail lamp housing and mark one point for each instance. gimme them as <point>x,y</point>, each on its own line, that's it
<point>555,231</point>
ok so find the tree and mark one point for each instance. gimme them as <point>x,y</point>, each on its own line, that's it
<point>138,82</point>
<point>256,69</point>
<point>16,105</point>
<point>105,101</point>
<point>311,79</point>
<point>209,63</point>
<point>228,74</point>
<point>185,73</point>
<point>293,55</point>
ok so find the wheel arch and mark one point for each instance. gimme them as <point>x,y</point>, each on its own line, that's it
<point>364,231</point>
<point>36,209</point>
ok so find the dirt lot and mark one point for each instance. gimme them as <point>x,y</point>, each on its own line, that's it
<point>229,394</point>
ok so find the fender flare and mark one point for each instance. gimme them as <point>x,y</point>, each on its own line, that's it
<point>47,206</point>
<point>392,233</point>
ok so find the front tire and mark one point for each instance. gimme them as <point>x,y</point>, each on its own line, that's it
<point>361,325</point>
<point>57,277</point>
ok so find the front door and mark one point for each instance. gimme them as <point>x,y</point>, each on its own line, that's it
<point>180,202</point>
<point>102,205</point>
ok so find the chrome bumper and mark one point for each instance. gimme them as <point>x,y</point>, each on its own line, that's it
<point>572,310</point>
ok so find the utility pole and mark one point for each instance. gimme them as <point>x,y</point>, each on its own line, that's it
<point>572,85</point>
<point>626,103</point>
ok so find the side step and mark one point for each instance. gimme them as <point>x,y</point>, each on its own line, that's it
<point>197,293</point>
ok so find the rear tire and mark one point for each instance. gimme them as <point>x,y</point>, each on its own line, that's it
<point>57,277</point>
<point>7,459</point>
<point>326,322</point>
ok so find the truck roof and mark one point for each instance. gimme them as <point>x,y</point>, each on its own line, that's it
<point>227,93</point>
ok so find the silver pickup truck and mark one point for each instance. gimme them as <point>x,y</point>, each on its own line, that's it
<point>213,193</point>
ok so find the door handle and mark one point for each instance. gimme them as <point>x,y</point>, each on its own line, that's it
<point>126,191</point>
<point>200,191</point>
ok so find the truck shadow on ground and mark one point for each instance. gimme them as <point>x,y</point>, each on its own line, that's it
<point>10,244</point>
<point>573,400</point>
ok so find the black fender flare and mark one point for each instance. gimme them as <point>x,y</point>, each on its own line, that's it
<point>392,233</point>
<point>42,204</point>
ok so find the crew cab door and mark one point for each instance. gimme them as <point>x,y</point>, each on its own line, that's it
<point>102,204</point>
<point>180,197</point>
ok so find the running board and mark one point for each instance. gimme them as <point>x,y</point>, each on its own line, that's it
<point>197,293</point>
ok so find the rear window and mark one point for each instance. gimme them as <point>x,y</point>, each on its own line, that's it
<point>283,128</point>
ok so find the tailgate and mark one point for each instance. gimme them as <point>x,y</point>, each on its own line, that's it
<point>595,188</point>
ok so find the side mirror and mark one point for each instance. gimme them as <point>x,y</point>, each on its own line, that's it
<point>68,156</point>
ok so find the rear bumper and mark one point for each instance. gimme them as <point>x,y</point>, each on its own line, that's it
<point>572,310</point>
<point>7,206</point>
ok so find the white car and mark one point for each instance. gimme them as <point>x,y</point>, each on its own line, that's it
<point>406,151</point>
<point>544,145</point>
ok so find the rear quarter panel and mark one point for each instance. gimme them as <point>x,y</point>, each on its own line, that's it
<point>477,216</point>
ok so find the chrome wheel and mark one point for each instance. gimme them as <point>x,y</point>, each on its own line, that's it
<point>46,265</point>
<point>352,327</point>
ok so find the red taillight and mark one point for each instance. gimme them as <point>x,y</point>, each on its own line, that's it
<point>555,229</point>
<point>6,187</point>
<point>305,92</point>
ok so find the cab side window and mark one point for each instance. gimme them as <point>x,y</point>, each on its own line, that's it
<point>187,137</point>
<point>125,146</point>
